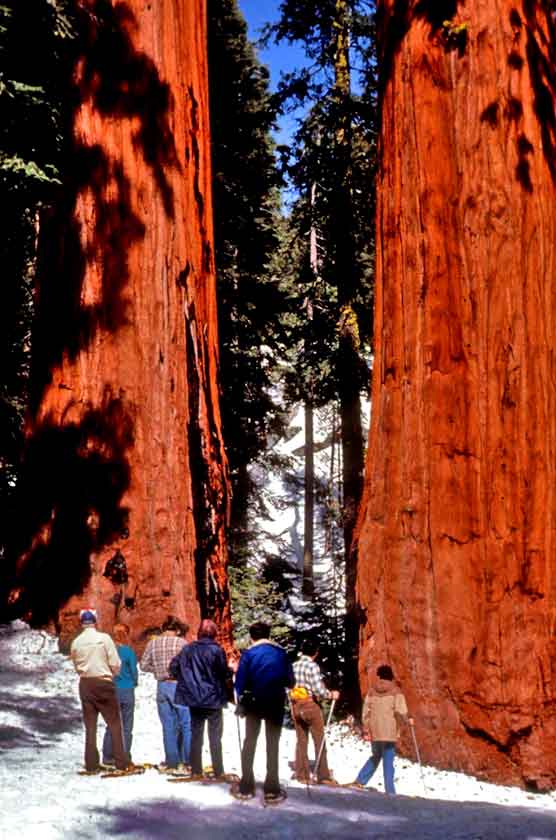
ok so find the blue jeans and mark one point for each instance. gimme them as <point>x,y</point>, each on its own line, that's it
<point>385,751</point>
<point>126,702</point>
<point>176,725</point>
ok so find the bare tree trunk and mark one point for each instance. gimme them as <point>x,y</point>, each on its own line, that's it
<point>308,583</point>
<point>308,586</point>
<point>346,269</point>
<point>348,363</point>
<point>126,478</point>
<point>456,534</point>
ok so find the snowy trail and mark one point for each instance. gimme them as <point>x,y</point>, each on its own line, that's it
<point>41,795</point>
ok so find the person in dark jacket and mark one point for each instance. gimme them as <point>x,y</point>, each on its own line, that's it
<point>263,674</point>
<point>201,671</point>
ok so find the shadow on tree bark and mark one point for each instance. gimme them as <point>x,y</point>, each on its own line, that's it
<point>68,502</point>
<point>70,492</point>
<point>212,586</point>
<point>395,18</point>
<point>540,46</point>
<point>124,84</point>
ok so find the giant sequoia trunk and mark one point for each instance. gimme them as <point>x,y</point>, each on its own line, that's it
<point>125,478</point>
<point>456,536</point>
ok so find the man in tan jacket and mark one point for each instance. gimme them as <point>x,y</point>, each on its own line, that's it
<point>96,660</point>
<point>382,709</point>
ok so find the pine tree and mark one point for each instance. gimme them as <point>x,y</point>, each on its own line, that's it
<point>333,162</point>
<point>247,230</point>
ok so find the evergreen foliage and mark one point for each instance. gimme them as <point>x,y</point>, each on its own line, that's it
<point>255,598</point>
<point>35,47</point>
<point>247,228</point>
<point>312,166</point>
<point>331,166</point>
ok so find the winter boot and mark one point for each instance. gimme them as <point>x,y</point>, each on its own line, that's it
<point>275,798</point>
<point>237,794</point>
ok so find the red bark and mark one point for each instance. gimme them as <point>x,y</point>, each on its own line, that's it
<point>125,439</point>
<point>456,538</point>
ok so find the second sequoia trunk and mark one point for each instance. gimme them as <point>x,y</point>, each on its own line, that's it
<point>456,537</point>
<point>125,481</point>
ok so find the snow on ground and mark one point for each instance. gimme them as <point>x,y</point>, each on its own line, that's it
<point>42,796</point>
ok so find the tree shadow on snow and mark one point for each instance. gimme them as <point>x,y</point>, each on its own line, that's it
<point>327,813</point>
<point>36,721</point>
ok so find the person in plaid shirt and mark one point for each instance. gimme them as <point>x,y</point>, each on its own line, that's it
<point>175,719</point>
<point>307,714</point>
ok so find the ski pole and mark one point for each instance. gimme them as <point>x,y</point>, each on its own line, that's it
<point>323,742</point>
<point>418,754</point>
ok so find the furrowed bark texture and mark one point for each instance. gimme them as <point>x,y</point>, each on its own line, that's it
<point>456,536</point>
<point>126,478</point>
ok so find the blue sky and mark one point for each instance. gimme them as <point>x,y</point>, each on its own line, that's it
<point>278,58</point>
<point>284,57</point>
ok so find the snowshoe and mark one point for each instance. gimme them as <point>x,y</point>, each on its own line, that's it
<point>353,786</point>
<point>205,778</point>
<point>229,778</point>
<point>275,798</point>
<point>132,770</point>
<point>180,770</point>
<point>189,777</point>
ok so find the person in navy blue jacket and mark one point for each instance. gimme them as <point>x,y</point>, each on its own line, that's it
<point>201,671</point>
<point>263,674</point>
<point>126,683</point>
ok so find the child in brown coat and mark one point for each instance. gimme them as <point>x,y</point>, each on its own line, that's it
<point>383,707</point>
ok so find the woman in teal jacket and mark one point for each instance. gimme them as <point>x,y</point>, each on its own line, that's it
<point>125,683</point>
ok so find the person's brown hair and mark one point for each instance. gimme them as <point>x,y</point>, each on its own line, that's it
<point>121,633</point>
<point>207,630</point>
<point>174,625</point>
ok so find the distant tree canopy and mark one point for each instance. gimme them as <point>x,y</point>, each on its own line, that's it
<point>333,151</point>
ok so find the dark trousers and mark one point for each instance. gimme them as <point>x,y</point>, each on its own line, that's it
<point>214,722</point>
<point>307,717</point>
<point>126,701</point>
<point>99,696</point>
<point>273,729</point>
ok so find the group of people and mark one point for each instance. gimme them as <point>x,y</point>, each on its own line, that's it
<point>194,684</point>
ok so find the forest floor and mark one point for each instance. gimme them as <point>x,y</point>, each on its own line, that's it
<point>42,795</point>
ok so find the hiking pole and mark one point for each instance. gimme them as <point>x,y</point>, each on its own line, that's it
<point>323,742</point>
<point>418,754</point>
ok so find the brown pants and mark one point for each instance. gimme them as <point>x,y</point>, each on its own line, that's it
<point>307,717</point>
<point>100,696</point>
